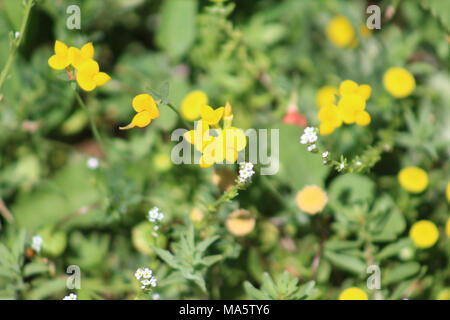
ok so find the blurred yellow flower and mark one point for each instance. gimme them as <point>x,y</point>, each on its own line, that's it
<point>211,116</point>
<point>80,56</point>
<point>340,31</point>
<point>311,199</point>
<point>196,215</point>
<point>413,179</point>
<point>330,119</point>
<point>399,82</point>
<point>240,222</point>
<point>366,32</point>
<point>89,76</point>
<point>326,96</point>
<point>353,293</point>
<point>192,103</point>
<point>200,136</point>
<point>146,109</point>
<point>350,106</point>
<point>61,59</point>
<point>443,295</point>
<point>424,234</point>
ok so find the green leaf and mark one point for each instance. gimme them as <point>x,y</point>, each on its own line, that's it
<point>393,248</point>
<point>346,262</point>
<point>400,273</point>
<point>440,9</point>
<point>34,268</point>
<point>254,293</point>
<point>176,31</point>
<point>167,257</point>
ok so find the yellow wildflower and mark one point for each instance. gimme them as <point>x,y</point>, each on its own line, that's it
<point>326,96</point>
<point>443,295</point>
<point>240,222</point>
<point>311,199</point>
<point>196,215</point>
<point>192,103</point>
<point>61,59</point>
<point>89,76</point>
<point>399,82</point>
<point>228,144</point>
<point>447,227</point>
<point>80,56</point>
<point>350,106</point>
<point>146,109</point>
<point>340,31</point>
<point>413,179</point>
<point>353,293</point>
<point>330,119</point>
<point>424,234</point>
<point>447,192</point>
<point>211,116</point>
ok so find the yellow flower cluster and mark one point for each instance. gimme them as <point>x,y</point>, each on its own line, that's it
<point>350,108</point>
<point>88,73</point>
<point>225,143</point>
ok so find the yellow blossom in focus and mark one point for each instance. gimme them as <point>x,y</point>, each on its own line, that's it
<point>326,96</point>
<point>399,82</point>
<point>413,179</point>
<point>146,109</point>
<point>340,31</point>
<point>89,76</point>
<point>192,103</point>
<point>240,222</point>
<point>353,293</point>
<point>424,234</point>
<point>211,116</point>
<point>80,56</point>
<point>61,59</point>
<point>311,199</point>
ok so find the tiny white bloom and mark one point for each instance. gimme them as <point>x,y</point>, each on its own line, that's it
<point>37,243</point>
<point>311,147</point>
<point>147,273</point>
<point>341,166</point>
<point>93,163</point>
<point>71,296</point>
<point>358,163</point>
<point>156,228</point>
<point>324,161</point>
<point>153,282</point>
<point>139,273</point>
<point>156,296</point>
<point>325,154</point>
<point>17,34</point>
<point>153,214</point>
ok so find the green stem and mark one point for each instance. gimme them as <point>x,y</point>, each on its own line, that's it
<point>91,121</point>
<point>227,196</point>
<point>16,43</point>
<point>187,125</point>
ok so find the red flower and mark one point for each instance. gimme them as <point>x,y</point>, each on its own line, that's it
<point>294,117</point>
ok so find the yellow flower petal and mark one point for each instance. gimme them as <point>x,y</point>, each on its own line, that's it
<point>362,118</point>
<point>340,31</point>
<point>211,116</point>
<point>142,119</point>
<point>235,138</point>
<point>86,82</point>
<point>399,82</point>
<point>101,78</point>
<point>58,62</point>
<point>326,96</point>
<point>326,128</point>
<point>146,102</point>
<point>61,48</point>
<point>89,68</point>
<point>88,51</point>
<point>347,87</point>
<point>191,104</point>
<point>364,91</point>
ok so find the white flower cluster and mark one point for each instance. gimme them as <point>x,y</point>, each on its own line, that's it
<point>325,157</point>
<point>155,216</point>
<point>147,277</point>
<point>309,136</point>
<point>245,171</point>
<point>37,243</point>
<point>71,296</point>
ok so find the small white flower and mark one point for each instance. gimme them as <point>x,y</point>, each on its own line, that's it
<point>311,147</point>
<point>341,166</point>
<point>160,216</point>
<point>358,163</point>
<point>325,154</point>
<point>37,243</point>
<point>147,273</point>
<point>71,296</point>
<point>153,282</point>
<point>156,228</point>
<point>139,273</point>
<point>246,172</point>
<point>17,34</point>
<point>324,161</point>
<point>153,214</point>
<point>93,163</point>
<point>144,283</point>
<point>156,296</point>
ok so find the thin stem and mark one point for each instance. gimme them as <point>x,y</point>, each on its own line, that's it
<point>178,114</point>
<point>91,121</point>
<point>16,43</point>
<point>4,211</point>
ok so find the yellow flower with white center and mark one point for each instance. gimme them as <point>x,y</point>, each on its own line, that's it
<point>61,59</point>
<point>424,234</point>
<point>192,103</point>
<point>240,223</point>
<point>326,96</point>
<point>340,31</point>
<point>413,179</point>
<point>353,293</point>
<point>89,76</point>
<point>146,109</point>
<point>80,56</point>
<point>311,199</point>
<point>399,82</point>
<point>211,116</point>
